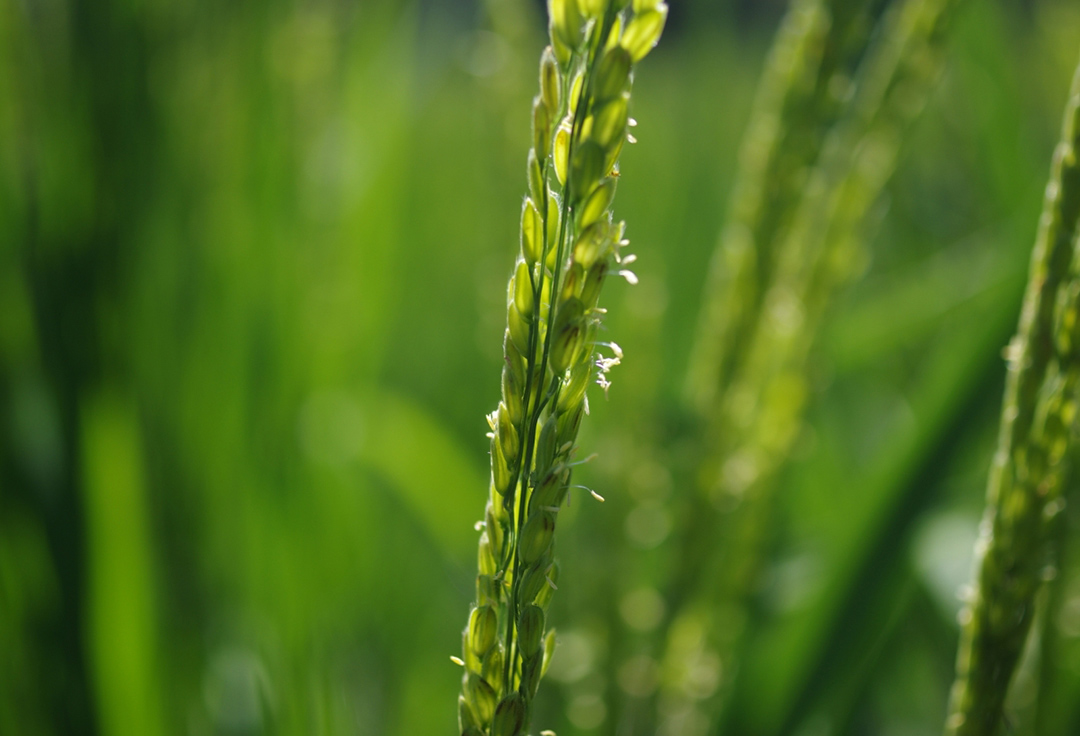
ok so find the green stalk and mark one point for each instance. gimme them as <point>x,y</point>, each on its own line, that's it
<point>569,242</point>
<point>1029,469</point>
<point>754,402</point>
<point>811,65</point>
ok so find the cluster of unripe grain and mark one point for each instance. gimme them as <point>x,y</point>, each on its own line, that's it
<point>1039,421</point>
<point>569,242</point>
<point>844,81</point>
<point>809,76</point>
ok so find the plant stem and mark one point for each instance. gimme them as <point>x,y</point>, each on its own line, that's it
<point>1030,466</point>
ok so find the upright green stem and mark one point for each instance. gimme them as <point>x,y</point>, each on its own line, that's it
<point>815,56</point>
<point>750,385</point>
<point>579,126</point>
<point>1029,468</point>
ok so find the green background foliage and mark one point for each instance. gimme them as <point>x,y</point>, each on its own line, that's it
<point>252,261</point>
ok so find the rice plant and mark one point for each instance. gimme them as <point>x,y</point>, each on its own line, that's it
<point>836,101</point>
<point>569,243</point>
<point>251,301</point>
<point>1024,493</point>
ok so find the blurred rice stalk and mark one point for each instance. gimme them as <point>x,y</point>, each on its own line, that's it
<point>1025,491</point>
<point>833,108</point>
